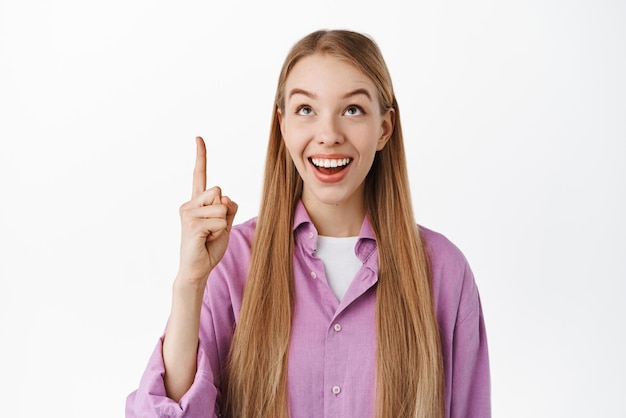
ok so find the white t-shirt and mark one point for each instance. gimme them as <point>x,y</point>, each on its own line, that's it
<point>340,261</point>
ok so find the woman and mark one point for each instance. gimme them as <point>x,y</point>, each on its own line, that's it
<point>333,302</point>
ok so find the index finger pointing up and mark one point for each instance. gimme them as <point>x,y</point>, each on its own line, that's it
<point>199,172</point>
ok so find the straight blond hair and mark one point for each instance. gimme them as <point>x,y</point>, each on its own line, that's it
<point>409,367</point>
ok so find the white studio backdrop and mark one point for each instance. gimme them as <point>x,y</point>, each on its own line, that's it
<point>514,117</point>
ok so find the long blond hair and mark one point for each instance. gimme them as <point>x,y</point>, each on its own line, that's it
<point>409,368</point>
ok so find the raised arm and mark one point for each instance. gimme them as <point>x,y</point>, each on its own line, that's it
<point>206,221</point>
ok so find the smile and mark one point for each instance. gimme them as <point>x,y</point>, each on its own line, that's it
<point>330,162</point>
<point>330,170</point>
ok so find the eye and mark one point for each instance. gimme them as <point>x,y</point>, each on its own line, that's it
<point>304,110</point>
<point>354,110</point>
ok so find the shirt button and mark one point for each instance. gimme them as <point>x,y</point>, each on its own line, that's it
<point>336,390</point>
<point>314,275</point>
<point>310,234</point>
<point>337,327</point>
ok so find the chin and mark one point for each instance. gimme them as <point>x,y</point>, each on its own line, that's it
<point>330,199</point>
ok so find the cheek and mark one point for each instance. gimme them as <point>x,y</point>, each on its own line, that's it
<point>368,139</point>
<point>295,140</point>
<point>294,149</point>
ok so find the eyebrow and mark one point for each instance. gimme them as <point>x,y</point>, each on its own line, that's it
<point>301,91</point>
<point>345,96</point>
<point>357,92</point>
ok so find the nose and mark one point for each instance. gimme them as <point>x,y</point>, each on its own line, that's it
<point>329,130</point>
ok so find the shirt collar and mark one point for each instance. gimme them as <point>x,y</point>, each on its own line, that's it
<point>305,232</point>
<point>301,216</point>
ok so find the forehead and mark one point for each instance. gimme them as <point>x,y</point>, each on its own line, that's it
<point>327,76</point>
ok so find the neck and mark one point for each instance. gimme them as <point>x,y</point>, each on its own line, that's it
<point>342,220</point>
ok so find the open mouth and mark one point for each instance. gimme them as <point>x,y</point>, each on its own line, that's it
<point>330,166</point>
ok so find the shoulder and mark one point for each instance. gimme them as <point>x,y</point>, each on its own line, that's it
<point>243,233</point>
<point>227,280</point>
<point>441,251</point>
<point>234,263</point>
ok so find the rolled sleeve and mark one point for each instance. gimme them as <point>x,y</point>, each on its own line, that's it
<point>151,401</point>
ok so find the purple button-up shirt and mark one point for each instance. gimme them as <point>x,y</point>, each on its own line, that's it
<point>332,349</point>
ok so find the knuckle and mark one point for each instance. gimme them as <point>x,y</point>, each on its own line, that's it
<point>216,190</point>
<point>183,210</point>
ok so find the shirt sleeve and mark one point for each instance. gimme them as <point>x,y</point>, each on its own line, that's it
<point>470,377</point>
<point>151,401</point>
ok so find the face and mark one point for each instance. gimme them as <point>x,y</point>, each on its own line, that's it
<point>332,126</point>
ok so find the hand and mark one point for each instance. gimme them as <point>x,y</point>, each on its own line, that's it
<point>206,223</point>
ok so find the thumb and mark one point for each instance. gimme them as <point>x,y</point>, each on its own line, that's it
<point>231,211</point>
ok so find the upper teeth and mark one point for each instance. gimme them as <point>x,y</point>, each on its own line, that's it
<point>328,163</point>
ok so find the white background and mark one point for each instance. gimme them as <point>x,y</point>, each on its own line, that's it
<point>514,117</point>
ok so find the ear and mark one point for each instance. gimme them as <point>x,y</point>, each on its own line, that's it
<point>386,128</point>
<point>279,115</point>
